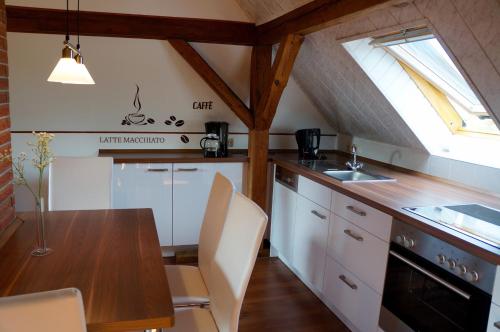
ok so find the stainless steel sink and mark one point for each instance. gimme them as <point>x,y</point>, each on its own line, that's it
<point>355,176</point>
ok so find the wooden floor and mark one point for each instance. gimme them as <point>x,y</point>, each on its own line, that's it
<point>276,300</point>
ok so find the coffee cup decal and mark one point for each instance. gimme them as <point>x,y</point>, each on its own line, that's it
<point>137,118</point>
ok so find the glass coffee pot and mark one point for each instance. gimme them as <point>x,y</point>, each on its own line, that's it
<point>210,145</point>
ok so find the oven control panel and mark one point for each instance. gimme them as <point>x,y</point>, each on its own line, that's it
<point>468,267</point>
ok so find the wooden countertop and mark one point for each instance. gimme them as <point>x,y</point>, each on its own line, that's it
<point>411,189</point>
<point>112,256</point>
<point>169,156</point>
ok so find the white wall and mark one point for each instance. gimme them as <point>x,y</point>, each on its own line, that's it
<point>168,86</point>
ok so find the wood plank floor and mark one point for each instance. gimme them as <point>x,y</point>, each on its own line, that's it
<point>276,300</point>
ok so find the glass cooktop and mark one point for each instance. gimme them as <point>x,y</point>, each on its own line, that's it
<point>478,221</point>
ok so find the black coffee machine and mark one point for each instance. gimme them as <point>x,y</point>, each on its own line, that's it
<point>308,142</point>
<point>215,143</point>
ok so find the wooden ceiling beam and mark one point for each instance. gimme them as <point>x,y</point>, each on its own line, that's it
<point>318,15</point>
<point>53,21</point>
<point>194,59</point>
<point>280,73</point>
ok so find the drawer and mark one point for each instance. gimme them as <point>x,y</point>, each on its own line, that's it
<point>494,321</point>
<point>359,251</point>
<point>315,192</point>
<point>362,215</point>
<point>356,301</point>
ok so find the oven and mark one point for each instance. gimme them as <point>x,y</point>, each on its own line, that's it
<point>438,294</point>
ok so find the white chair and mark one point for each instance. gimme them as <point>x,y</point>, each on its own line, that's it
<point>188,284</point>
<point>80,183</point>
<point>230,270</point>
<point>58,310</point>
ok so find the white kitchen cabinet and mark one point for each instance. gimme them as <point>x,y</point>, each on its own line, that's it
<point>352,298</point>
<point>191,187</point>
<point>315,192</point>
<point>146,186</point>
<point>310,241</point>
<point>283,221</point>
<point>494,321</point>
<point>496,288</point>
<point>359,251</point>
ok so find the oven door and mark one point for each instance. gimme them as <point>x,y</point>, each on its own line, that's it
<point>420,296</point>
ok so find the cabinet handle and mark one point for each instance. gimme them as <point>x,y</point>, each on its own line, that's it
<point>350,233</point>
<point>186,169</point>
<point>356,210</point>
<point>317,214</point>
<point>348,282</point>
<point>497,325</point>
<point>157,170</point>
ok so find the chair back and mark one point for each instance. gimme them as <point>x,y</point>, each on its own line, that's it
<point>215,216</point>
<point>58,310</point>
<point>234,260</point>
<point>80,183</point>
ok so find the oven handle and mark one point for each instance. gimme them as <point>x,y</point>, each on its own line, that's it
<point>431,275</point>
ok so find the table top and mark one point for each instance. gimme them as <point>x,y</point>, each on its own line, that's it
<point>112,256</point>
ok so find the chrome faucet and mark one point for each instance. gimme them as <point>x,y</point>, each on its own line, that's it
<point>354,164</point>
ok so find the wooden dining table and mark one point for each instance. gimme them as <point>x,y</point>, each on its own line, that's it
<point>112,256</point>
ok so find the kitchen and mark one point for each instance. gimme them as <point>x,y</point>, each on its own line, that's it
<point>428,153</point>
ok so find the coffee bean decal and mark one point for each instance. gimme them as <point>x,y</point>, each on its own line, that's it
<point>173,120</point>
<point>137,118</point>
<point>185,139</point>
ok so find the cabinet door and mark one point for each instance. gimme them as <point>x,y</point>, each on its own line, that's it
<point>356,301</point>
<point>146,186</point>
<point>310,241</point>
<point>192,184</point>
<point>283,221</point>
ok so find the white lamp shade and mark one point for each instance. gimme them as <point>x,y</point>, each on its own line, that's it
<point>68,71</point>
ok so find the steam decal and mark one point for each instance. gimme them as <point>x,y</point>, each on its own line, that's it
<point>137,118</point>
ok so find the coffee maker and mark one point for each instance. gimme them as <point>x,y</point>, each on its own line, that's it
<point>215,143</point>
<point>308,143</point>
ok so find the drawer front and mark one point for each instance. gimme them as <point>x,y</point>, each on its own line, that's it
<point>315,192</point>
<point>359,251</point>
<point>310,242</point>
<point>362,215</point>
<point>494,322</point>
<point>356,301</point>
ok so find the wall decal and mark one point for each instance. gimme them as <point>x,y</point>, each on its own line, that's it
<point>137,118</point>
<point>173,120</point>
<point>202,105</point>
<point>185,139</point>
<point>132,140</point>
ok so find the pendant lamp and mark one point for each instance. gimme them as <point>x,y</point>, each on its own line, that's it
<point>70,68</point>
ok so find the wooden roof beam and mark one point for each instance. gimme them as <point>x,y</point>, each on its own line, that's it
<point>318,15</point>
<point>53,21</point>
<point>214,81</point>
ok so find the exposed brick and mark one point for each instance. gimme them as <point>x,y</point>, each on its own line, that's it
<point>4,123</point>
<point>4,110</point>
<point>5,178</point>
<point>3,42</point>
<point>4,57</point>
<point>6,192</point>
<point>4,137</point>
<point>4,97</point>
<point>4,70</point>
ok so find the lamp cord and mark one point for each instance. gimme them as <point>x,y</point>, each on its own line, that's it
<point>67,20</point>
<point>78,25</point>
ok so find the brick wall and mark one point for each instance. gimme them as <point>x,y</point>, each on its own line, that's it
<point>6,187</point>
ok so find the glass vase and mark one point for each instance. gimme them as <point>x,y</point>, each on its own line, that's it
<point>41,248</point>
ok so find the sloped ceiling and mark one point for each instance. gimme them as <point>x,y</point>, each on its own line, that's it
<point>345,94</point>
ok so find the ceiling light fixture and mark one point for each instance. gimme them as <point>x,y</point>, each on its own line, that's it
<point>70,68</point>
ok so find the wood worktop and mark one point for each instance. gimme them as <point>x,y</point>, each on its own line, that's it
<point>169,156</point>
<point>411,189</point>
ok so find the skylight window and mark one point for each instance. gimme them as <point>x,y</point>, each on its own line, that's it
<point>423,84</point>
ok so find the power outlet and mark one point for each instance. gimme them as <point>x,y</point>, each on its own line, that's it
<point>230,142</point>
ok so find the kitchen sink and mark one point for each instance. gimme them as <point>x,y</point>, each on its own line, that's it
<point>355,176</point>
